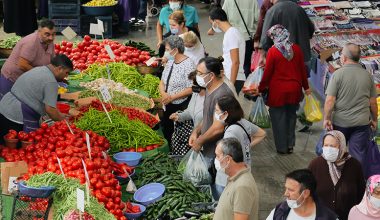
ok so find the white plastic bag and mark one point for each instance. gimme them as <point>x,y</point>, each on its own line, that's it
<point>196,170</point>
<point>254,79</point>
<point>259,114</point>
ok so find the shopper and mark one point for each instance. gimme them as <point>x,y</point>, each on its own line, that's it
<point>340,180</point>
<point>19,16</point>
<point>267,4</point>
<point>233,47</point>
<point>209,131</point>
<point>352,107</point>
<point>33,95</point>
<point>175,86</point>
<point>230,113</point>
<point>190,12</point>
<point>177,27</point>
<point>240,198</point>
<point>369,207</point>
<point>284,77</point>
<point>34,50</point>
<point>301,200</point>
<point>295,20</point>
<point>193,46</point>
<point>250,13</point>
<point>194,110</point>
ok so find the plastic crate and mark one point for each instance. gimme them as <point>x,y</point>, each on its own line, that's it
<point>64,9</point>
<point>85,21</point>
<point>26,208</point>
<point>61,24</point>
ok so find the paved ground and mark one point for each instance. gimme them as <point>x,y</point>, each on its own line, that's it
<point>269,168</point>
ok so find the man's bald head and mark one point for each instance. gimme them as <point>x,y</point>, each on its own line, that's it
<point>351,52</point>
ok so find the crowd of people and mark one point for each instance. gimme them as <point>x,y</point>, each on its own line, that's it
<point>334,184</point>
<point>203,91</point>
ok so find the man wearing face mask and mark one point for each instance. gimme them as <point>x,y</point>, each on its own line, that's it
<point>350,104</point>
<point>36,49</point>
<point>190,12</point>
<point>301,200</point>
<point>340,181</point>
<point>240,198</point>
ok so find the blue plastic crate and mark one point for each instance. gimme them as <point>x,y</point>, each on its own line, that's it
<point>64,10</point>
<point>61,24</point>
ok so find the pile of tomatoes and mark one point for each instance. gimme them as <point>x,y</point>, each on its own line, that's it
<point>91,51</point>
<point>57,141</point>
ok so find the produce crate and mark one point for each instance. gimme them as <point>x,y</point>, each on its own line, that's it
<point>26,208</point>
<point>6,207</point>
<point>61,24</point>
<point>85,21</point>
<point>64,9</point>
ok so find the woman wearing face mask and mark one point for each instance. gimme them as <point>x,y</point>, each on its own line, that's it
<point>229,112</point>
<point>190,13</point>
<point>369,208</point>
<point>233,47</point>
<point>177,27</point>
<point>340,181</point>
<point>193,46</point>
<point>175,86</point>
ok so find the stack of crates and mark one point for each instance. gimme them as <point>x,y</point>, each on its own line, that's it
<point>65,13</point>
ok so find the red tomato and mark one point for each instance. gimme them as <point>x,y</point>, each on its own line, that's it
<point>87,38</point>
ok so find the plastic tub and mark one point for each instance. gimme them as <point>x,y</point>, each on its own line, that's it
<point>34,192</point>
<point>63,107</point>
<point>25,143</point>
<point>149,193</point>
<point>11,143</point>
<point>135,215</point>
<point>130,158</point>
<point>98,10</point>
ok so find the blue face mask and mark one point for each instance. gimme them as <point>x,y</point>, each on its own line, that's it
<point>174,31</point>
<point>168,55</point>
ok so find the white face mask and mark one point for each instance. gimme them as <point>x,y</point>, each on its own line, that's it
<point>218,117</point>
<point>190,48</point>
<point>201,81</point>
<point>293,203</point>
<point>375,202</point>
<point>216,28</point>
<point>219,167</point>
<point>175,6</point>
<point>330,153</point>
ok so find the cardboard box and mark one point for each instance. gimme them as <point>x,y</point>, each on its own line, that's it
<point>11,169</point>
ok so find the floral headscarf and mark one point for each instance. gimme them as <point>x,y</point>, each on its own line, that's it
<point>365,205</point>
<point>335,168</point>
<point>280,36</point>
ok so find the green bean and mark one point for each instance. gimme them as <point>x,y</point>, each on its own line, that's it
<point>9,42</point>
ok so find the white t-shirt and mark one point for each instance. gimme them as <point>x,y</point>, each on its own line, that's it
<point>233,39</point>
<point>293,216</point>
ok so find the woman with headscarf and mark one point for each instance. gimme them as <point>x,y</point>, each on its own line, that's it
<point>284,77</point>
<point>369,208</point>
<point>340,180</point>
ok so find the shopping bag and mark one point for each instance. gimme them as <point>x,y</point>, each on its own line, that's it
<point>253,80</point>
<point>196,170</point>
<point>301,114</point>
<point>259,114</point>
<point>372,160</point>
<point>180,137</point>
<point>255,60</point>
<point>312,109</point>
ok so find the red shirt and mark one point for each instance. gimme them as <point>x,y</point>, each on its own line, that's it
<point>285,79</point>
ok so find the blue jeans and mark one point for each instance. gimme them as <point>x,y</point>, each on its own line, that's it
<point>217,191</point>
<point>142,10</point>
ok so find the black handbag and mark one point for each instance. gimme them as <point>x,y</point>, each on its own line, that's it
<point>180,138</point>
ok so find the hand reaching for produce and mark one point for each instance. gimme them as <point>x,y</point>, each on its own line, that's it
<point>174,117</point>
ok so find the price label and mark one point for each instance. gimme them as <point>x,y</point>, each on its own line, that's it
<point>60,167</point>
<point>100,26</point>
<point>336,55</point>
<point>88,145</point>
<point>105,155</point>
<point>110,52</point>
<point>69,33</point>
<point>85,171</point>
<point>150,61</point>
<point>105,93</point>
<point>80,200</point>
<point>94,29</point>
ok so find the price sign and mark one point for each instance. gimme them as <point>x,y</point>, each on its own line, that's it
<point>100,26</point>
<point>60,167</point>
<point>88,145</point>
<point>109,51</point>
<point>105,93</point>
<point>150,61</point>
<point>80,200</point>
<point>94,29</point>
<point>69,33</point>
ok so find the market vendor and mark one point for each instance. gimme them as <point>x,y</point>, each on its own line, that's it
<point>36,49</point>
<point>34,94</point>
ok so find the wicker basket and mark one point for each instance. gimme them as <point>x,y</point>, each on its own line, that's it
<point>147,69</point>
<point>5,53</point>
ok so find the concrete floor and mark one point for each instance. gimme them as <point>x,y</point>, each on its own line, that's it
<point>268,167</point>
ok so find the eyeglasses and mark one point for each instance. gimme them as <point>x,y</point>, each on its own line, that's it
<point>199,73</point>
